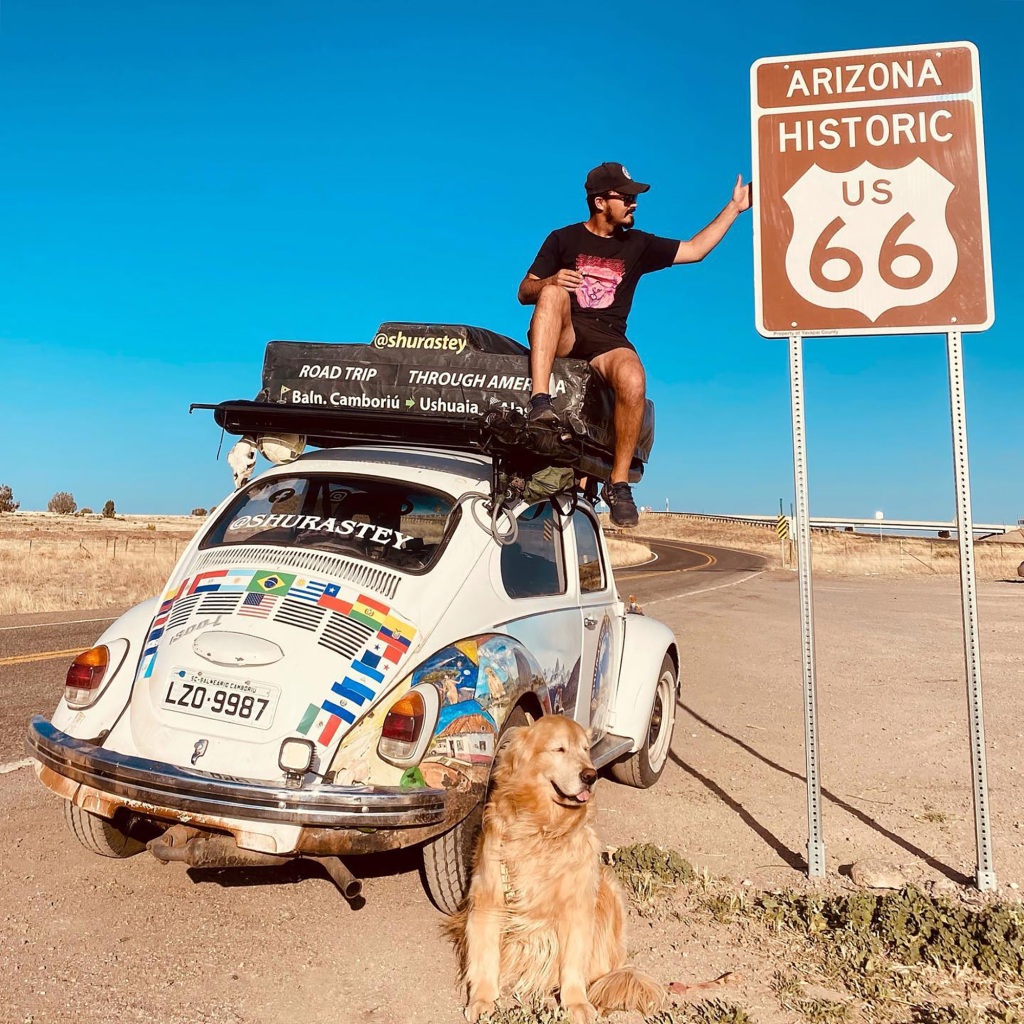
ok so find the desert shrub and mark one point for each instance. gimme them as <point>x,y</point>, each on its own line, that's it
<point>647,871</point>
<point>7,502</point>
<point>84,512</point>
<point>908,927</point>
<point>62,503</point>
<point>199,511</point>
<point>108,509</point>
<point>711,1011</point>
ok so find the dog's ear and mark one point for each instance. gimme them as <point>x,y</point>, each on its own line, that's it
<point>511,750</point>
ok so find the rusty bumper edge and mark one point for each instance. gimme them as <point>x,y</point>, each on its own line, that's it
<point>168,786</point>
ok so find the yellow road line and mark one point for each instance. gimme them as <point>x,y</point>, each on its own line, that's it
<point>711,560</point>
<point>21,659</point>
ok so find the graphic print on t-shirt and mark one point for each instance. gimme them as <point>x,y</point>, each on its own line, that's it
<point>601,276</point>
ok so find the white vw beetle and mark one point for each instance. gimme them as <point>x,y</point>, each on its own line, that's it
<point>333,661</point>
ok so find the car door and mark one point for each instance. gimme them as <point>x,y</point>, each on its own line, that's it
<point>543,611</point>
<point>600,623</point>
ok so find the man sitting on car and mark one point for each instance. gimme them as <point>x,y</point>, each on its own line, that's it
<point>582,284</point>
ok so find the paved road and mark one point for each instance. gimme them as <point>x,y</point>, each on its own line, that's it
<point>35,650</point>
<point>681,567</point>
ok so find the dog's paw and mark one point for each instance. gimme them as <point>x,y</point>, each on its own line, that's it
<point>479,1009</point>
<point>582,1013</point>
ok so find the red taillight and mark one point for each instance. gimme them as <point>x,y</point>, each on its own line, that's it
<point>405,719</point>
<point>85,676</point>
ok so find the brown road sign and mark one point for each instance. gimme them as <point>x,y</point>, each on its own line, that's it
<point>872,213</point>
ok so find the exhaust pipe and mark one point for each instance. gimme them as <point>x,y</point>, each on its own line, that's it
<point>212,852</point>
<point>347,883</point>
<point>183,844</point>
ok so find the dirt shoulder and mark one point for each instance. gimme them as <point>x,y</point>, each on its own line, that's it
<point>90,940</point>
<point>895,760</point>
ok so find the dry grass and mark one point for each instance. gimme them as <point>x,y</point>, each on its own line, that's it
<point>55,563</point>
<point>627,552</point>
<point>846,553</point>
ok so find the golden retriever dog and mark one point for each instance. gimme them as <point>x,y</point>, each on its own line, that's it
<point>543,914</point>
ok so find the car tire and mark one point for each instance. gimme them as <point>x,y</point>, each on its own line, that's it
<point>100,835</point>
<point>448,859</point>
<point>644,768</point>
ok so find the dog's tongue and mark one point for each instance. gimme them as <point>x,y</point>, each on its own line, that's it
<point>583,796</point>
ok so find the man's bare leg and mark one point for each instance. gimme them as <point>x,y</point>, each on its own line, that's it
<point>622,369</point>
<point>550,335</point>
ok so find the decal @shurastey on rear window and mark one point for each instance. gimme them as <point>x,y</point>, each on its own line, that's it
<point>381,520</point>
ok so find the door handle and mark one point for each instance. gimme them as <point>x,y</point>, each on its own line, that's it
<point>589,622</point>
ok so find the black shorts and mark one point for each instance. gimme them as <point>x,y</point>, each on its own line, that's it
<point>593,339</point>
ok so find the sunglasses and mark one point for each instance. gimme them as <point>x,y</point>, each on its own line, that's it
<point>625,200</point>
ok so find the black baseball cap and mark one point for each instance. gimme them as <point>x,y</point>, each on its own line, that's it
<point>613,177</point>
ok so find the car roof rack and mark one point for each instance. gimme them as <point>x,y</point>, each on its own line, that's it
<point>434,385</point>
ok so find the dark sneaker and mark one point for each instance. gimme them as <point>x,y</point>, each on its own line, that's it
<point>622,508</point>
<point>541,413</point>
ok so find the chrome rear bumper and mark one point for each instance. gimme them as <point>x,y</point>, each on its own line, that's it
<point>137,780</point>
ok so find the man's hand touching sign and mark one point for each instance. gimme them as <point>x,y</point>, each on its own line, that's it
<point>741,194</point>
<point>694,250</point>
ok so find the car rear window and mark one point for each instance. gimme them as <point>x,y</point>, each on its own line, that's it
<point>380,520</point>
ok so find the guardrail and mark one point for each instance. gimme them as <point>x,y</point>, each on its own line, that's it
<point>853,524</point>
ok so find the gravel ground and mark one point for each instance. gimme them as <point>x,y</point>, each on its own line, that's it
<point>92,941</point>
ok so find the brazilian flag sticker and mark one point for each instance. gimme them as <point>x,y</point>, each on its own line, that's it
<point>271,583</point>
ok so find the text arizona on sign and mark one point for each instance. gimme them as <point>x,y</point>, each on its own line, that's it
<point>850,78</point>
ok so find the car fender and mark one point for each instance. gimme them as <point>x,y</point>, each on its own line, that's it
<point>98,718</point>
<point>645,642</point>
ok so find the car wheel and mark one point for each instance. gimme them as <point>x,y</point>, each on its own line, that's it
<point>448,859</point>
<point>644,768</point>
<point>99,835</point>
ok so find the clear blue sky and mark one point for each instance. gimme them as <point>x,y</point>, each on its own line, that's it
<point>182,181</point>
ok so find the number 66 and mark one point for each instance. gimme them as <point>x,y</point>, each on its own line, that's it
<point>891,250</point>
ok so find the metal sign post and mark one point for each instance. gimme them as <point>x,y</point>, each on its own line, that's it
<point>815,832</point>
<point>986,876</point>
<point>872,219</point>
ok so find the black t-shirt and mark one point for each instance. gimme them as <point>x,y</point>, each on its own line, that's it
<point>611,269</point>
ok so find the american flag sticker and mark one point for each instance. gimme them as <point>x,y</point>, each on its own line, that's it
<point>258,606</point>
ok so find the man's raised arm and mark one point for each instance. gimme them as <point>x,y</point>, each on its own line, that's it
<point>706,239</point>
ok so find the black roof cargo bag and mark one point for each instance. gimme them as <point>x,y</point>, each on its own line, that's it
<point>443,385</point>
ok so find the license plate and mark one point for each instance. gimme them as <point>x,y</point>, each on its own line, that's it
<point>240,701</point>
